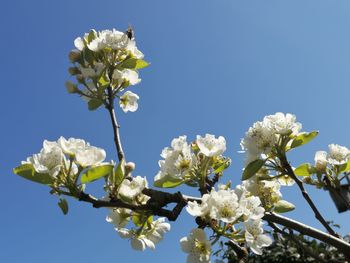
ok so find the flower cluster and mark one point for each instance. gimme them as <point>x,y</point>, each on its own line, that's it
<point>106,59</point>
<point>183,162</point>
<point>146,233</point>
<point>264,135</point>
<point>223,210</point>
<point>65,157</point>
<point>337,155</point>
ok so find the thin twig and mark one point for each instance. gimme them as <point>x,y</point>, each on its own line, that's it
<point>285,164</point>
<point>115,125</point>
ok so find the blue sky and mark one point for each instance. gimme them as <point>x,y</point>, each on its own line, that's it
<point>216,66</point>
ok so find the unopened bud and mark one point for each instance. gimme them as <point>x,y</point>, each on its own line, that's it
<point>129,167</point>
<point>73,71</point>
<point>71,87</point>
<point>74,55</point>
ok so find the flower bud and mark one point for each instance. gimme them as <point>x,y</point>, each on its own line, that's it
<point>74,55</point>
<point>321,161</point>
<point>129,167</point>
<point>73,71</point>
<point>71,87</point>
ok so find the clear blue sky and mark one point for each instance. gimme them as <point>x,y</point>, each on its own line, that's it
<point>217,66</point>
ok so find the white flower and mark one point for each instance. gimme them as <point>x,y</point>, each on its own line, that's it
<point>283,124</point>
<point>72,145</point>
<point>224,206</point>
<point>210,146</point>
<point>129,190</point>
<point>337,154</point>
<point>119,217</point>
<point>90,155</point>
<point>220,205</point>
<point>267,190</point>
<point>178,160</point>
<point>108,39</point>
<point>197,246</point>
<point>133,49</point>
<point>251,207</point>
<point>157,230</point>
<point>128,101</point>
<point>202,209</point>
<point>286,180</point>
<point>128,75</point>
<point>321,161</point>
<point>255,239</point>
<point>148,237</point>
<point>79,43</point>
<point>49,160</point>
<point>258,139</point>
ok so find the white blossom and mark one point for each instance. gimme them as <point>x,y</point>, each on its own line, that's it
<point>113,39</point>
<point>224,206</point>
<point>90,155</point>
<point>337,155</point>
<point>321,161</point>
<point>255,239</point>
<point>178,160</point>
<point>286,180</point>
<point>259,138</point>
<point>199,209</point>
<point>251,207</point>
<point>197,246</point>
<point>72,145</point>
<point>129,190</point>
<point>283,124</point>
<point>119,217</point>
<point>220,205</point>
<point>211,146</point>
<point>50,159</point>
<point>128,101</point>
<point>128,75</point>
<point>79,43</point>
<point>148,237</point>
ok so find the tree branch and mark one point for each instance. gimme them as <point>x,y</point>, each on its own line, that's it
<point>338,243</point>
<point>115,125</point>
<point>285,164</point>
<point>241,252</point>
<point>299,243</point>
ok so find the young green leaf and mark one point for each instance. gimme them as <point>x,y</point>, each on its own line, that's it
<point>94,104</point>
<point>133,63</point>
<point>303,170</point>
<point>63,204</point>
<point>303,138</point>
<point>169,182</point>
<point>119,173</point>
<point>283,206</point>
<point>96,173</point>
<point>252,168</point>
<point>27,171</point>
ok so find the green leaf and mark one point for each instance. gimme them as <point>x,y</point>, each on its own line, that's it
<point>133,63</point>
<point>221,166</point>
<point>27,171</point>
<point>63,204</point>
<point>303,170</point>
<point>283,206</point>
<point>91,36</point>
<point>119,173</point>
<point>139,219</point>
<point>168,182</point>
<point>345,167</point>
<point>96,172</point>
<point>252,168</point>
<point>94,104</point>
<point>104,80</point>
<point>303,138</point>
